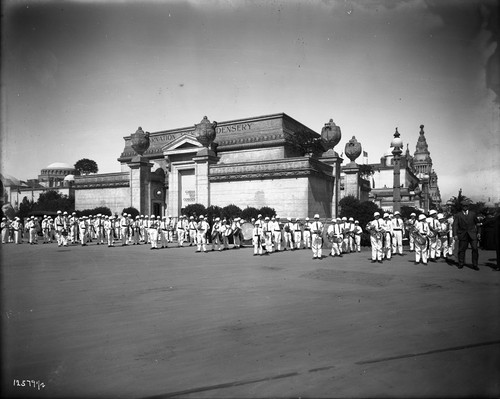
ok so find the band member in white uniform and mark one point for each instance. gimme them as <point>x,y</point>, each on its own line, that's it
<point>164,232</point>
<point>376,229</point>
<point>317,238</point>
<point>387,249</point>
<point>287,235</point>
<point>181,232</point>
<point>306,234</point>
<point>257,237</point>
<point>410,224</point>
<point>433,235</point>
<point>443,236</point>
<point>357,236</point>
<point>192,231</point>
<point>274,225</point>
<point>216,235</point>
<point>422,229</point>
<point>398,232</point>
<point>202,228</point>
<point>83,229</point>
<point>335,237</point>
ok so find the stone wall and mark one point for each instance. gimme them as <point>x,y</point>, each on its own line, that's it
<point>107,189</point>
<point>287,196</point>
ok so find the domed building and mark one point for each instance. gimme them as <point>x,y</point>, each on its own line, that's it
<point>54,175</point>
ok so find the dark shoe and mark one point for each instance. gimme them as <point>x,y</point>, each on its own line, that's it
<point>373,261</point>
<point>460,266</point>
<point>475,268</point>
<point>379,261</point>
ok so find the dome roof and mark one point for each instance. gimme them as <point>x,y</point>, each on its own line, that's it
<point>60,165</point>
<point>69,178</point>
<point>388,153</point>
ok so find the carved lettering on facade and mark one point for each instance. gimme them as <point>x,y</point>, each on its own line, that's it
<point>190,196</point>
<point>240,127</point>
<point>165,137</point>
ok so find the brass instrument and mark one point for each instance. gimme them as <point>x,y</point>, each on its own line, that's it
<point>378,234</point>
<point>417,237</point>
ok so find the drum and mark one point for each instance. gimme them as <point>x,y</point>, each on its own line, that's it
<point>247,230</point>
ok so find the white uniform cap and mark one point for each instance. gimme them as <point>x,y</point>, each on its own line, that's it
<point>351,219</point>
<point>413,214</point>
<point>440,216</point>
<point>432,212</point>
<point>397,213</point>
<point>202,217</point>
<point>421,217</point>
<point>386,215</point>
<point>376,214</point>
<point>344,219</point>
<point>307,218</point>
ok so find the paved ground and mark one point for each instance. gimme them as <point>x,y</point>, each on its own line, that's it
<point>129,322</point>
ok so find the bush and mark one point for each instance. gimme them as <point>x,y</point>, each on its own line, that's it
<point>249,212</point>
<point>103,210</point>
<point>195,210</point>
<point>231,212</point>
<point>131,211</point>
<point>266,211</point>
<point>213,211</point>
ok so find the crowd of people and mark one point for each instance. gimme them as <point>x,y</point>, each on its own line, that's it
<point>431,237</point>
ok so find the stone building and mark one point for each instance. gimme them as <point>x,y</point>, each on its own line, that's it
<point>271,160</point>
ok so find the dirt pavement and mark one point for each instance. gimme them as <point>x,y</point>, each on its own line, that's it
<point>129,322</point>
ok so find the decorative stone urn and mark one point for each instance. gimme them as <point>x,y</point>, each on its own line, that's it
<point>205,132</point>
<point>140,141</point>
<point>353,149</point>
<point>331,134</point>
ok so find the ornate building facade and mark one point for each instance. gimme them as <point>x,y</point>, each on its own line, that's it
<point>271,160</point>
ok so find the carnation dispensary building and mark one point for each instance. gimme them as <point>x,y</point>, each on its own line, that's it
<point>270,160</point>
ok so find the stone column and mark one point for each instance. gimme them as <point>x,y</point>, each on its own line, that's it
<point>333,159</point>
<point>203,159</point>
<point>351,183</point>
<point>140,196</point>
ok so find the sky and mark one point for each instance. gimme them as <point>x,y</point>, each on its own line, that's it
<point>78,76</point>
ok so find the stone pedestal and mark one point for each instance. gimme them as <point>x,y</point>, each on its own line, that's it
<point>140,195</point>
<point>332,158</point>
<point>203,159</point>
<point>351,183</point>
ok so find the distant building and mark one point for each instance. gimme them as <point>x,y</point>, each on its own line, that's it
<point>57,176</point>
<point>419,181</point>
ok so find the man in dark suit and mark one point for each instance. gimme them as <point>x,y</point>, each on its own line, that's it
<point>465,231</point>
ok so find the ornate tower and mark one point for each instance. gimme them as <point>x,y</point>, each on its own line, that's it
<point>422,161</point>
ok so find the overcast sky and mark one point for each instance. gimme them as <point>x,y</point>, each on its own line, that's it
<point>79,76</point>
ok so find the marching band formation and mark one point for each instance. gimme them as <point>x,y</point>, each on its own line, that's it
<point>430,237</point>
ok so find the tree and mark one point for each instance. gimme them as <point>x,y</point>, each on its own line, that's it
<point>133,212</point>
<point>52,200</point>
<point>195,210</point>
<point>86,166</point>
<point>266,211</point>
<point>231,212</point>
<point>25,207</point>
<point>249,212</point>
<point>305,142</point>
<point>213,211</point>
<point>365,171</point>
<point>406,211</point>
<point>103,210</point>
<point>455,203</point>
